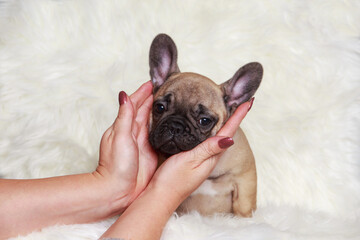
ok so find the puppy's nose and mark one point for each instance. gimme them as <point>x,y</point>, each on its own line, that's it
<point>176,128</point>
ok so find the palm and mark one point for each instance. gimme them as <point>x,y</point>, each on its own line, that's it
<point>147,157</point>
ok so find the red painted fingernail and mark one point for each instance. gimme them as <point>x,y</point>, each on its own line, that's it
<point>225,142</point>
<point>251,102</point>
<point>122,97</point>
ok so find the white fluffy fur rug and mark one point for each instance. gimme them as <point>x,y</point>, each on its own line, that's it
<point>62,64</point>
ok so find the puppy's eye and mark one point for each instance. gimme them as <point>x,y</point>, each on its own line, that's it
<point>204,121</point>
<point>160,108</point>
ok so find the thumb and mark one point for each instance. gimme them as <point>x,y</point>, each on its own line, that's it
<point>209,148</point>
<point>125,117</point>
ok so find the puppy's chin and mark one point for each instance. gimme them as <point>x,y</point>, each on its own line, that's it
<point>169,149</point>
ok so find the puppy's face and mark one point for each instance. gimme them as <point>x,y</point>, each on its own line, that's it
<point>188,107</point>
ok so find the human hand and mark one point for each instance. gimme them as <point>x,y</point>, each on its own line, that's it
<point>182,173</point>
<point>127,161</point>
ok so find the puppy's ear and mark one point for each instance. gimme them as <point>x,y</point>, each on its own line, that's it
<point>162,60</point>
<point>242,86</point>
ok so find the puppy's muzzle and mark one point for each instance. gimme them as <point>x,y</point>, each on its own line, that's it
<point>173,135</point>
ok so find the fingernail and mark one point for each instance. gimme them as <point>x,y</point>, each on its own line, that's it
<point>225,142</point>
<point>122,97</point>
<point>251,102</point>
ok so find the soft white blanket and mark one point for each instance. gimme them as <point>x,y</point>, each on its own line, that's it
<point>62,64</point>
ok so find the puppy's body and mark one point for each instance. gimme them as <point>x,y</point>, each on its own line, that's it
<point>189,108</point>
<point>231,187</point>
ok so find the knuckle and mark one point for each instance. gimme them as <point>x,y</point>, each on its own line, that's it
<point>125,111</point>
<point>206,151</point>
<point>123,116</point>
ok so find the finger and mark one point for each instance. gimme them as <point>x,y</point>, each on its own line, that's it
<point>107,133</point>
<point>207,149</point>
<point>231,125</point>
<point>140,95</point>
<point>142,116</point>
<point>125,117</point>
<point>143,113</point>
<point>143,121</point>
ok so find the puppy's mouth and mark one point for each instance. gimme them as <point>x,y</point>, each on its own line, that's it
<point>170,148</point>
<point>175,144</point>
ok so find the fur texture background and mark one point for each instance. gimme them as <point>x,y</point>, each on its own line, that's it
<point>62,64</point>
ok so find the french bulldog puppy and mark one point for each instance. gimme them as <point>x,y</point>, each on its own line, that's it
<point>189,108</point>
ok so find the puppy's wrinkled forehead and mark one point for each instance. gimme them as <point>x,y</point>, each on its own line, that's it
<point>191,90</point>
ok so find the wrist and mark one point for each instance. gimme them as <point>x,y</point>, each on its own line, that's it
<point>169,199</point>
<point>155,205</point>
<point>113,198</point>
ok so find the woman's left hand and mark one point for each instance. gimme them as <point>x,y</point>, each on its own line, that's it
<point>127,161</point>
